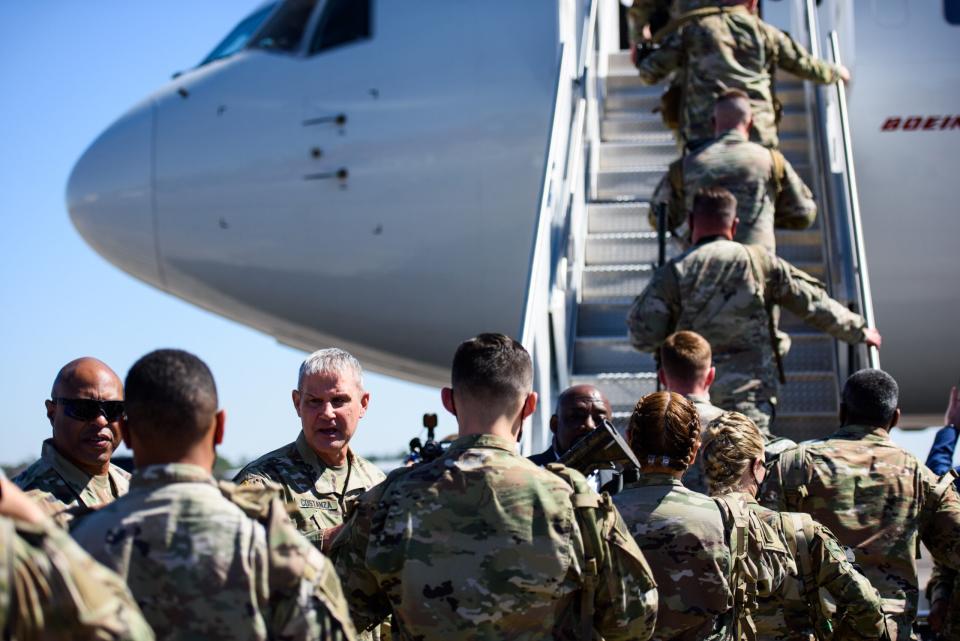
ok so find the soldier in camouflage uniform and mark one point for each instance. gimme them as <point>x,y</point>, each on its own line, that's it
<point>877,498</point>
<point>734,460</point>
<point>682,533</point>
<point>50,588</point>
<point>686,367</point>
<point>206,560</point>
<point>721,290</point>
<point>319,474</point>
<point>655,14</point>
<point>731,49</point>
<point>74,473</point>
<point>483,544</point>
<point>769,192</point>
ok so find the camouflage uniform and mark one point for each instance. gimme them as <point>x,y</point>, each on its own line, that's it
<point>878,500</point>
<point>787,615</point>
<point>769,192</point>
<point>694,478</point>
<point>682,536</point>
<point>730,50</point>
<point>715,289</point>
<point>483,544</point>
<point>212,561</point>
<point>51,589</point>
<point>64,490</point>
<point>314,488</point>
<point>944,585</point>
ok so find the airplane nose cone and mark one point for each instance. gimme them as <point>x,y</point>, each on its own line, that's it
<point>110,198</point>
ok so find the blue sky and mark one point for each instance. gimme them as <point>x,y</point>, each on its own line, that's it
<point>69,69</point>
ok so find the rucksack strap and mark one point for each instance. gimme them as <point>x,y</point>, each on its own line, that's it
<point>779,171</point>
<point>793,480</point>
<point>742,584</point>
<point>799,528</point>
<point>691,15</point>
<point>586,504</point>
<point>756,266</point>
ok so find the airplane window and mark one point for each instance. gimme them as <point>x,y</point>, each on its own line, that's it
<point>284,30</point>
<point>951,11</point>
<point>240,35</point>
<point>342,21</point>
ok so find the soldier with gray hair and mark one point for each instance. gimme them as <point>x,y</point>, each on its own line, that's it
<point>319,473</point>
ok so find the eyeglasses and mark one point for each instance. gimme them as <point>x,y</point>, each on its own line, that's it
<point>88,409</point>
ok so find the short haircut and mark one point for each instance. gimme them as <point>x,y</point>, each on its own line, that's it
<point>870,397</point>
<point>685,356</point>
<point>716,205</point>
<point>492,367</point>
<point>663,430</point>
<point>331,360</point>
<point>171,395</point>
<point>732,444</point>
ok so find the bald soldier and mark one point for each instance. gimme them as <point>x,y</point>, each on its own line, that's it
<point>722,290</point>
<point>580,410</point>
<point>74,473</point>
<point>51,589</point>
<point>770,195</point>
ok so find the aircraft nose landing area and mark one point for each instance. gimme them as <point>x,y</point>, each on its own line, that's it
<point>110,194</point>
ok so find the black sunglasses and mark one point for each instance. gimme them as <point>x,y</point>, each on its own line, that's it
<point>88,409</point>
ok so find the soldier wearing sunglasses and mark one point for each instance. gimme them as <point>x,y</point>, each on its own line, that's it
<point>74,474</point>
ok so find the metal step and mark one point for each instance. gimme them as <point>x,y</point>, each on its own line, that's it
<point>616,155</point>
<point>617,217</point>
<point>804,394</point>
<point>810,352</point>
<point>632,126</point>
<point>805,426</point>
<point>628,280</point>
<point>634,97</point>
<point>637,183</point>
<point>641,247</point>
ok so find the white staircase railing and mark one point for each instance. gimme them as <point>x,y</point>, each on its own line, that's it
<point>556,258</point>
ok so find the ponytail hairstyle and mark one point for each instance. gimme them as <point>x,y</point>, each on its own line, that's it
<point>732,444</point>
<point>664,430</point>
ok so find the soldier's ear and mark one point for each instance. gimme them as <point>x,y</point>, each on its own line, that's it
<point>553,423</point>
<point>711,376</point>
<point>220,427</point>
<point>529,404</point>
<point>125,431</point>
<point>296,401</point>
<point>446,397</point>
<point>895,419</point>
<point>51,410</point>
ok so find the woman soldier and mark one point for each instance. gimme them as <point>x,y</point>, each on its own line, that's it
<point>733,461</point>
<point>686,536</point>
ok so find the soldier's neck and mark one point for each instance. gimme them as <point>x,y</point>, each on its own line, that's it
<point>201,455</point>
<point>661,469</point>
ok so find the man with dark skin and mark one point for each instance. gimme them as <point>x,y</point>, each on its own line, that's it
<point>580,410</point>
<point>74,473</point>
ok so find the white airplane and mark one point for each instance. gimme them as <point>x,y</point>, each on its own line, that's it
<point>367,173</point>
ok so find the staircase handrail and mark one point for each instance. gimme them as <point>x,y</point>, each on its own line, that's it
<point>561,197</point>
<point>847,263</point>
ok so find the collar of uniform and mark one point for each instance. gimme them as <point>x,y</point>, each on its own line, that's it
<point>310,457</point>
<point>699,398</point>
<point>166,473</point>
<point>862,431</point>
<point>76,478</point>
<point>732,134</point>
<point>709,239</point>
<point>483,440</point>
<point>656,478</point>
<point>745,498</point>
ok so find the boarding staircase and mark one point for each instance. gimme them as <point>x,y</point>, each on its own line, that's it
<point>603,250</point>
